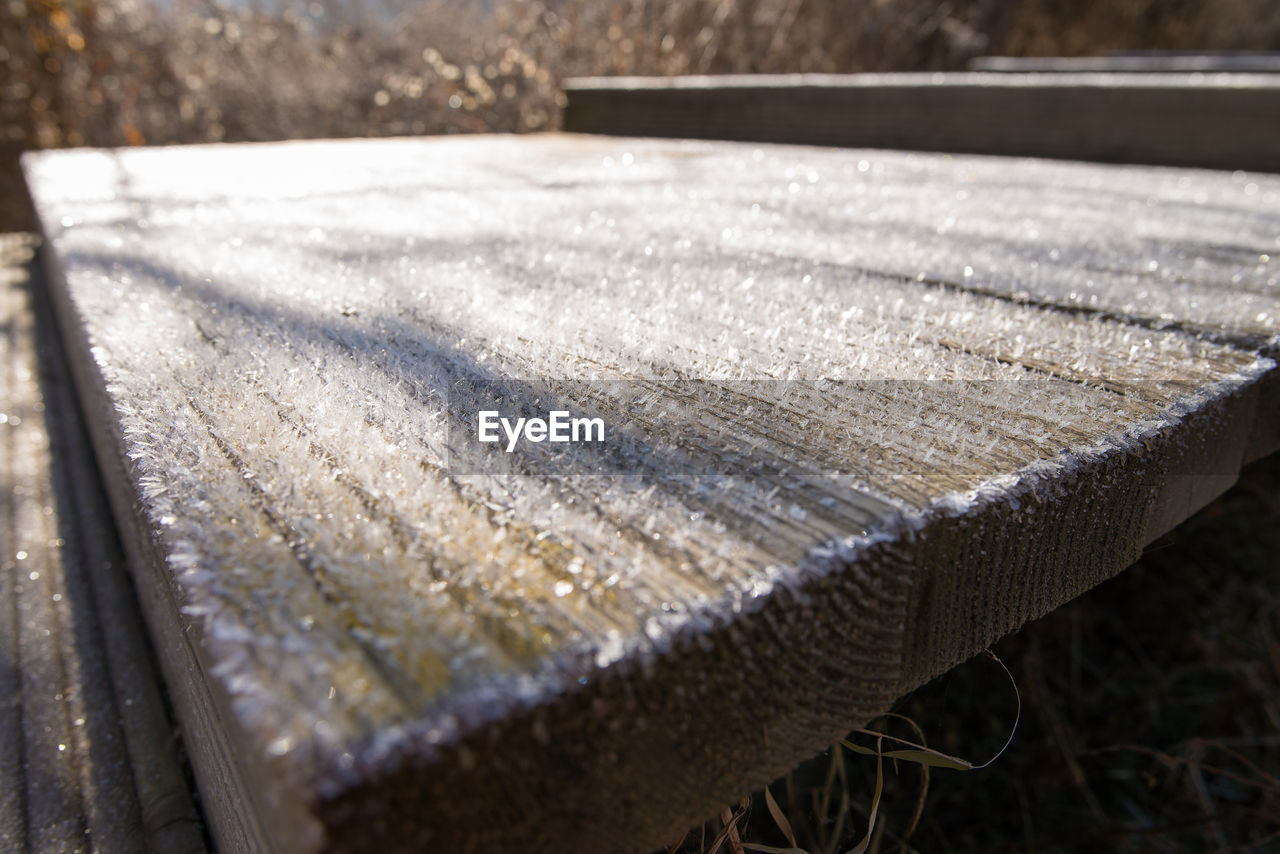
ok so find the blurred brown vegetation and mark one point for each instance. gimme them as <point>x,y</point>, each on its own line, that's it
<point>132,72</point>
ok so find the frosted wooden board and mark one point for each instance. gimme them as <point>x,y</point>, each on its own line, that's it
<point>838,459</point>
<point>87,758</point>
<point>1221,121</point>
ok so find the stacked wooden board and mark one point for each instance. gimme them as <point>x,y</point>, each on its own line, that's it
<point>864,412</point>
<point>88,758</point>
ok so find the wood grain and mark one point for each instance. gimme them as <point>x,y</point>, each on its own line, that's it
<point>870,411</point>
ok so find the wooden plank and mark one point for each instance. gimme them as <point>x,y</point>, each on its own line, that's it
<point>867,412</point>
<point>1141,62</point>
<point>1221,121</point>
<point>87,753</point>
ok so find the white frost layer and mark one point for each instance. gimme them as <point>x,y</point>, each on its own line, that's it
<point>279,326</point>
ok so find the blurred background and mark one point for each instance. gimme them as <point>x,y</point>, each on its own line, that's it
<point>138,72</point>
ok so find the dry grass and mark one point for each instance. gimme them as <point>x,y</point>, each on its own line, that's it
<point>1151,719</point>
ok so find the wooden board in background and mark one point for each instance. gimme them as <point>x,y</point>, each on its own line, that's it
<point>1141,62</point>
<point>1220,121</point>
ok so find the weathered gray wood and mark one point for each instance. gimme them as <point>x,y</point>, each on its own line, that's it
<point>880,409</point>
<point>12,801</point>
<point>1140,62</point>
<point>1224,121</point>
<point>87,758</point>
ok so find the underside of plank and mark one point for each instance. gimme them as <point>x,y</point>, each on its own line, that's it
<point>87,750</point>
<point>864,412</point>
